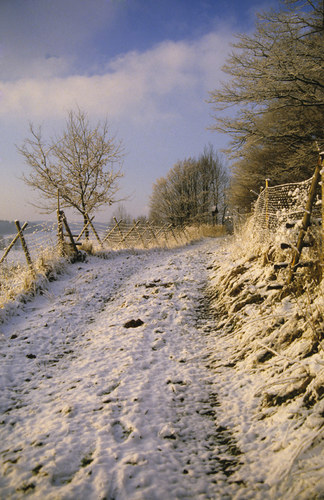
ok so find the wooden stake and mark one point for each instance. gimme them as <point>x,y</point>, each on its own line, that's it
<point>75,249</point>
<point>159,231</point>
<point>119,229</point>
<point>306,220</point>
<point>25,248</point>
<point>153,233</point>
<point>60,236</point>
<point>93,229</point>
<point>321,155</point>
<point>267,203</point>
<point>165,230</point>
<point>7,250</point>
<point>130,231</point>
<point>173,233</point>
<point>141,236</point>
<point>84,228</point>
<point>110,232</point>
<point>146,239</point>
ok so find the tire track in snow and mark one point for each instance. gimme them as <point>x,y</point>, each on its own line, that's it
<point>130,412</point>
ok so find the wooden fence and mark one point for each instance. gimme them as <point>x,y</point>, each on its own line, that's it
<point>67,240</point>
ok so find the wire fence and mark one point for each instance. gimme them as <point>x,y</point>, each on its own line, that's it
<point>279,205</point>
<point>289,218</point>
<point>28,252</point>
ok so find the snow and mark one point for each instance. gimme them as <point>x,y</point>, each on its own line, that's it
<point>127,378</point>
<point>274,360</point>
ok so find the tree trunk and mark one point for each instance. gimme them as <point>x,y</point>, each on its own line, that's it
<point>85,222</point>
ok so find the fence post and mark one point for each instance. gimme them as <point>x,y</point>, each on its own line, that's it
<point>165,230</point>
<point>25,248</point>
<point>111,231</point>
<point>119,229</point>
<point>83,229</point>
<point>267,203</point>
<point>306,219</point>
<point>321,162</point>
<point>93,229</point>
<point>140,235</point>
<point>130,231</point>
<point>68,230</point>
<point>153,233</point>
<point>173,233</point>
<point>60,236</point>
<point>7,250</point>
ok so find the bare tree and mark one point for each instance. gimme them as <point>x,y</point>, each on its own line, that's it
<point>80,164</point>
<point>121,214</point>
<point>214,182</point>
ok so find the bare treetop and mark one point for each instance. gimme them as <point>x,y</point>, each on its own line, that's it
<point>83,163</point>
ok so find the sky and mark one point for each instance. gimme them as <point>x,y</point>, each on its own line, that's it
<point>147,66</point>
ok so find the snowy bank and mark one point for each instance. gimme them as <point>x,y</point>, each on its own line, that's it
<point>273,377</point>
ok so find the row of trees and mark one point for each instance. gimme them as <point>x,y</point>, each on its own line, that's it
<point>194,191</point>
<point>272,104</point>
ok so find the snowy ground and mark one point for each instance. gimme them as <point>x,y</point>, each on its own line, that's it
<point>116,383</point>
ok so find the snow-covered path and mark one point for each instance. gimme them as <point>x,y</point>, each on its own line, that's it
<point>95,407</point>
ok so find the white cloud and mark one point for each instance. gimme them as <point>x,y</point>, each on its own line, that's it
<point>35,67</point>
<point>154,101</point>
<point>134,86</point>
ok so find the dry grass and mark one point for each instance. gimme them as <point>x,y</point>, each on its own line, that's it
<point>18,282</point>
<point>271,327</point>
<point>168,238</point>
<point>205,231</point>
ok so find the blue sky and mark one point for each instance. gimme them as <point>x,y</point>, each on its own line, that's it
<point>146,65</point>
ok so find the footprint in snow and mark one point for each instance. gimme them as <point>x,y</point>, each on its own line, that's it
<point>168,432</point>
<point>120,431</point>
<point>158,344</point>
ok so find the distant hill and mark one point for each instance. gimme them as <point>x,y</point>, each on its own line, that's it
<point>7,227</point>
